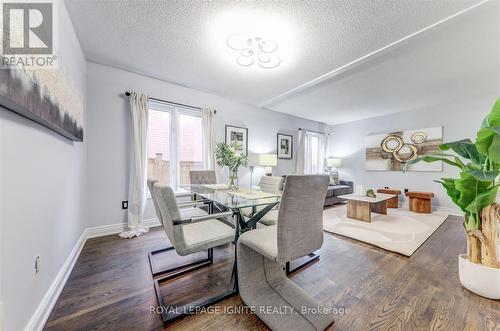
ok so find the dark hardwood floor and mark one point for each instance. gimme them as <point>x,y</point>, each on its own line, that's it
<point>111,287</point>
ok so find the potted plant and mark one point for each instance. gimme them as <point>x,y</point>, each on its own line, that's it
<point>229,156</point>
<point>475,192</point>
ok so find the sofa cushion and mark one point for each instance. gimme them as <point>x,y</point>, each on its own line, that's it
<point>334,178</point>
<point>336,190</point>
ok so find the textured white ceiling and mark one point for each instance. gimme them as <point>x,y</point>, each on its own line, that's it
<point>185,42</point>
<point>459,59</point>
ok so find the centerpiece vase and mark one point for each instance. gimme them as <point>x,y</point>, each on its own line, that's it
<point>233,179</point>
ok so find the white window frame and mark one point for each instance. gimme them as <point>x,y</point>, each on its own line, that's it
<point>175,110</point>
<point>308,165</point>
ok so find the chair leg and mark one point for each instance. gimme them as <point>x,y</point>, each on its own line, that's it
<point>169,313</point>
<point>292,266</point>
<point>184,268</point>
<point>263,283</point>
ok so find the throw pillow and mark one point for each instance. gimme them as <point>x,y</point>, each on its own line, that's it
<point>334,178</point>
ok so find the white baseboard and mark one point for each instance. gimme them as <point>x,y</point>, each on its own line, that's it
<point>37,321</point>
<point>42,313</point>
<point>106,230</point>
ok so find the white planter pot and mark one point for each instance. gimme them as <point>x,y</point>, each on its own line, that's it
<point>479,279</point>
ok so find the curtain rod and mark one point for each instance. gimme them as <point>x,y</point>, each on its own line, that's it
<point>127,93</point>
<point>314,131</point>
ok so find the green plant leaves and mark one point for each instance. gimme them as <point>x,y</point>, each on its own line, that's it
<point>429,158</point>
<point>469,187</point>
<point>432,158</point>
<point>494,116</point>
<point>472,222</point>
<point>465,148</point>
<point>482,200</point>
<point>486,122</point>
<point>227,156</point>
<point>483,175</point>
<point>484,138</point>
<point>457,147</point>
<point>453,193</point>
<point>494,150</point>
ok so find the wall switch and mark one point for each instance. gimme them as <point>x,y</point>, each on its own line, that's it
<point>124,204</point>
<point>37,264</point>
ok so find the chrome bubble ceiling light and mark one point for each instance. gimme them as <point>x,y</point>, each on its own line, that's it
<point>254,50</point>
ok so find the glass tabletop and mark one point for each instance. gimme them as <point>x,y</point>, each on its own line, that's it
<point>231,199</point>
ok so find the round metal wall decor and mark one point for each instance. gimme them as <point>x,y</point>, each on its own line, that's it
<point>401,151</point>
<point>406,153</point>
<point>418,137</point>
<point>392,143</point>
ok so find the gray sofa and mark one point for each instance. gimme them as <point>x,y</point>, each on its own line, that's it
<point>334,191</point>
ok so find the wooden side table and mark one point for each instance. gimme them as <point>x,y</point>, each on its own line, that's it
<point>420,202</point>
<point>361,208</point>
<point>393,202</point>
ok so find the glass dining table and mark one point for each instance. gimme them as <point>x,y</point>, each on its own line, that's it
<point>236,200</point>
<point>260,202</point>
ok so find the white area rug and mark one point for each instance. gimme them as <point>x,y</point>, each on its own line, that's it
<point>399,231</point>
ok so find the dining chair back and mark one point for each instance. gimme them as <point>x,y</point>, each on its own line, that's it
<point>164,200</point>
<point>300,218</point>
<point>202,177</point>
<point>151,182</point>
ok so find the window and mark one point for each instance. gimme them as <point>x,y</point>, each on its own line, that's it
<point>190,145</point>
<point>174,142</point>
<point>315,150</point>
<point>159,145</point>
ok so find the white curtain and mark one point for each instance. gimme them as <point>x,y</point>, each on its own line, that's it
<point>312,152</point>
<point>138,165</point>
<point>323,150</point>
<point>208,150</point>
<point>301,153</point>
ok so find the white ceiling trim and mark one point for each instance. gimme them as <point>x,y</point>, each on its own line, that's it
<point>363,59</point>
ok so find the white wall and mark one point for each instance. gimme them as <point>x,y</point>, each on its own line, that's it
<point>108,130</point>
<point>42,195</point>
<point>460,119</point>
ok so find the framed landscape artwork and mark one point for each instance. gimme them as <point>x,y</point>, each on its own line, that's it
<point>390,151</point>
<point>238,137</point>
<point>44,96</point>
<point>284,146</point>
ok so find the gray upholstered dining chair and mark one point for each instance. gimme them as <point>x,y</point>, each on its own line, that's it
<point>203,177</point>
<point>189,228</point>
<point>268,184</point>
<point>200,177</point>
<point>263,253</point>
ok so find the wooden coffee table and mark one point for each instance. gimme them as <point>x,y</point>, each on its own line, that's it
<point>361,208</point>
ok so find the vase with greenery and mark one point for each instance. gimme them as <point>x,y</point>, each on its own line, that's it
<point>475,190</point>
<point>229,156</point>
